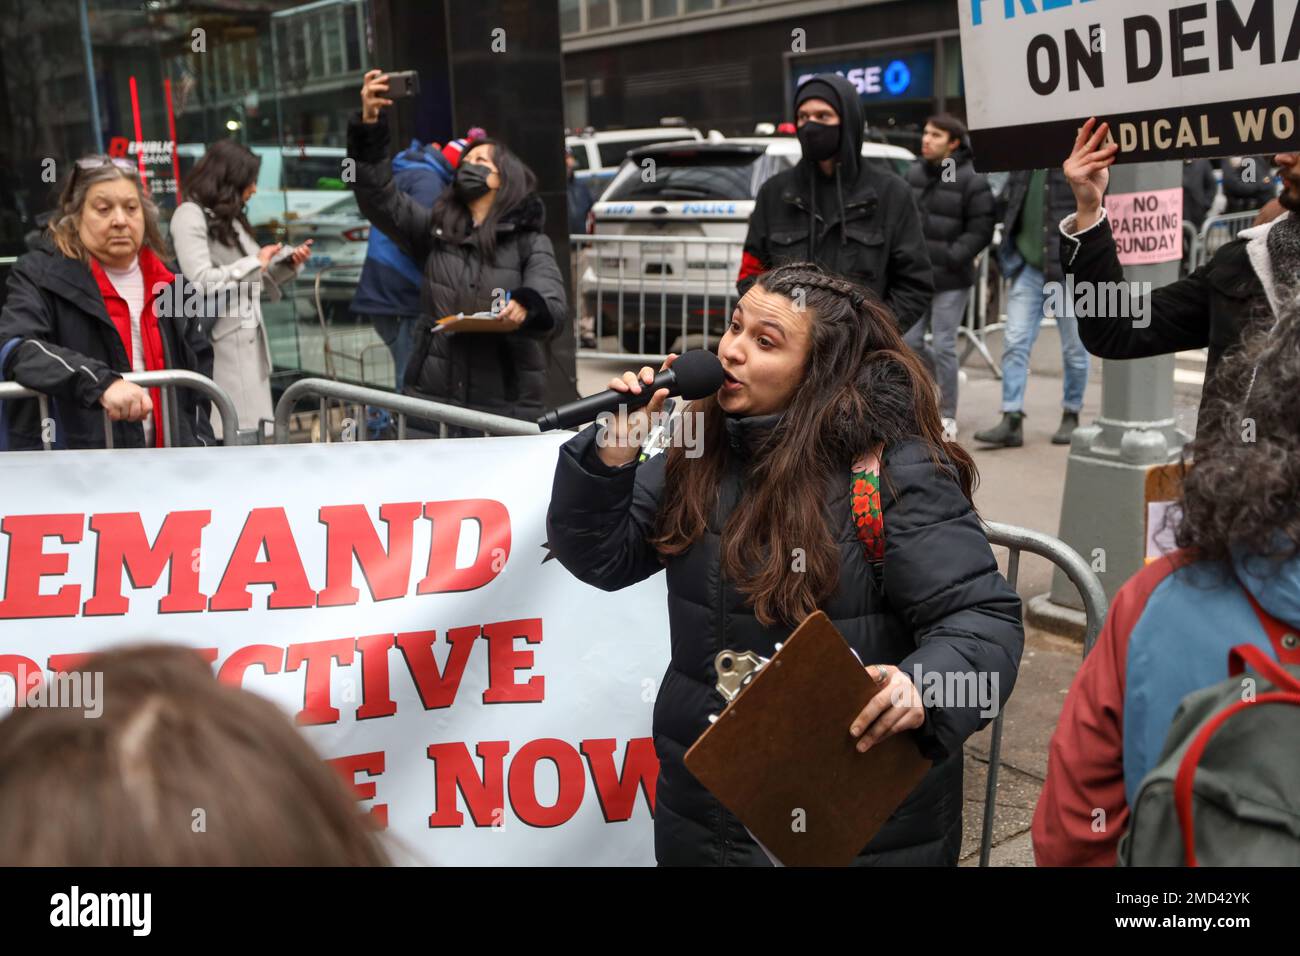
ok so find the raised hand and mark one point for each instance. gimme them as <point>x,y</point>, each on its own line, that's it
<point>373,87</point>
<point>1088,170</point>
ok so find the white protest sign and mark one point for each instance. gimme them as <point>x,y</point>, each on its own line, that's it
<point>396,598</point>
<point>1174,78</point>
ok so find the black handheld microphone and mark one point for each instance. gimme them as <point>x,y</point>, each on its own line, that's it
<point>695,374</point>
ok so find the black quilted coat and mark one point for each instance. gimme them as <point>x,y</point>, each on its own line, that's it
<point>502,373</point>
<point>939,602</point>
<point>957,217</point>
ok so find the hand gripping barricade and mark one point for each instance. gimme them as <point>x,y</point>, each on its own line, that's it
<point>168,380</point>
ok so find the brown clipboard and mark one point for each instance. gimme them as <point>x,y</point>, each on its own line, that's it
<point>781,758</point>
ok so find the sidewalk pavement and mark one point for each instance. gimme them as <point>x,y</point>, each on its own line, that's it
<point>1020,486</point>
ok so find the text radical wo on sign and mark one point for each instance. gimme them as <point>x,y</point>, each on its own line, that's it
<point>1175,79</point>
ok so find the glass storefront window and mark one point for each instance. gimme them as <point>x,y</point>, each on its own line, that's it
<point>630,11</point>
<point>663,8</point>
<point>598,14</point>
<point>570,16</point>
<point>279,76</point>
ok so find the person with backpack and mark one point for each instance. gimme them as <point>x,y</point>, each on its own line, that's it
<point>1185,625</point>
<point>388,292</point>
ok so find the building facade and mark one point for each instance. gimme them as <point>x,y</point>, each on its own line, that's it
<point>157,81</point>
<point>729,64</point>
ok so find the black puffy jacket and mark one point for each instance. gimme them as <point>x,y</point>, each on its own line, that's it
<point>57,338</point>
<point>502,373</point>
<point>957,217</point>
<point>860,223</point>
<point>1249,186</point>
<point>939,603</point>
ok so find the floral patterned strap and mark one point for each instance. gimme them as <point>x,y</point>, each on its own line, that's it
<point>865,495</point>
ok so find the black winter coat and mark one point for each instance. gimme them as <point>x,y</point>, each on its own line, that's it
<point>1247,196</point>
<point>1059,202</point>
<point>70,349</point>
<point>1199,190</point>
<point>870,233</point>
<point>502,373</point>
<point>1208,309</point>
<point>957,217</point>
<point>949,615</point>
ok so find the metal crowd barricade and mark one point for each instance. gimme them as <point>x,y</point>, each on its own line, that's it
<point>168,380</point>
<point>976,326</point>
<point>403,405</point>
<point>329,351</point>
<point>647,291</point>
<point>1218,231</point>
<point>1017,540</point>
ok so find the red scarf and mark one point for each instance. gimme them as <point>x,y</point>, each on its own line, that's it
<point>153,273</point>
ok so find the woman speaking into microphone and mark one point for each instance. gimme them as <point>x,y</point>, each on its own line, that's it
<point>823,482</point>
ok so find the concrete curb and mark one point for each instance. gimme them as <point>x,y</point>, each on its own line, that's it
<point>1041,613</point>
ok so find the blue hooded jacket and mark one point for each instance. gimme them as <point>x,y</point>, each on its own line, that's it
<point>390,281</point>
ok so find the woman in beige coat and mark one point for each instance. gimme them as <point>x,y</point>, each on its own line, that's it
<point>215,249</point>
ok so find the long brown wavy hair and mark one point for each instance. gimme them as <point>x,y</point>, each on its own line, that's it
<point>217,183</point>
<point>1243,492</point>
<point>861,387</point>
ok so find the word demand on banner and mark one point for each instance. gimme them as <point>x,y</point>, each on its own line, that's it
<point>122,547</point>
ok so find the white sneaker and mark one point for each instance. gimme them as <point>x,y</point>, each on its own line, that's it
<point>949,429</point>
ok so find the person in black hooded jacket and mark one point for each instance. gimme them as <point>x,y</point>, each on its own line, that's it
<point>823,482</point>
<point>837,210</point>
<point>482,249</point>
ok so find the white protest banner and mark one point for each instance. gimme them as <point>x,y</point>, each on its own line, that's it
<point>396,598</point>
<point>1175,79</point>
<point>1147,226</point>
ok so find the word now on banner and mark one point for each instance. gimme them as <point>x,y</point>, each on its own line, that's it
<point>397,599</point>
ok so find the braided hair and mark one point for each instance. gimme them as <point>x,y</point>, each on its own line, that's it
<point>861,387</point>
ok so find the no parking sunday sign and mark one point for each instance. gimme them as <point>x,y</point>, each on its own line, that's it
<point>1175,79</point>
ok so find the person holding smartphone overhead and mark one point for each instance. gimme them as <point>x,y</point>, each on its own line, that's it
<point>824,483</point>
<point>481,249</point>
<point>215,248</point>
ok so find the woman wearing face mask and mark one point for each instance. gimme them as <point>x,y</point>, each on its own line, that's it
<point>215,248</point>
<point>90,303</point>
<point>483,250</point>
<point>825,440</point>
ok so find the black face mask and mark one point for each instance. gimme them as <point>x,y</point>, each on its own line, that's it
<point>471,181</point>
<point>818,140</point>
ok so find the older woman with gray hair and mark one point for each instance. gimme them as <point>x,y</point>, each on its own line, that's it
<point>92,301</point>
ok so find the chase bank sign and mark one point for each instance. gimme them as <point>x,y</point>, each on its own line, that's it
<point>882,77</point>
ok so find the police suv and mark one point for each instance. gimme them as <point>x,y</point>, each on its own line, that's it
<point>660,266</point>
